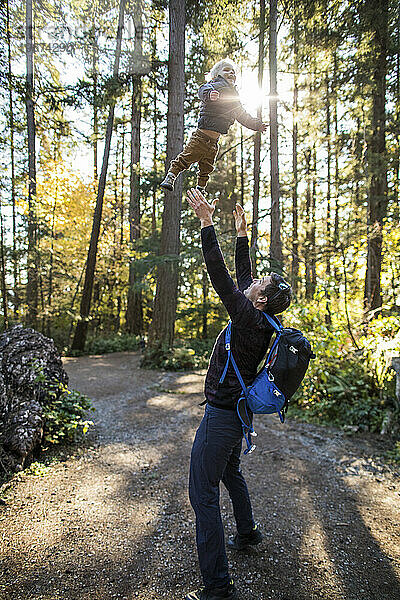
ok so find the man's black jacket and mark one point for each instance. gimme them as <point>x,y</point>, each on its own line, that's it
<point>219,115</point>
<point>251,332</point>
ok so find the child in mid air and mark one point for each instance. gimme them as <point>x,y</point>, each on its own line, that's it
<point>220,107</point>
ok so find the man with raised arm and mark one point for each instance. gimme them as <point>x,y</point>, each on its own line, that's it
<point>216,449</point>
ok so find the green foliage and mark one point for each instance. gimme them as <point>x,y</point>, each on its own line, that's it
<point>64,411</point>
<point>113,343</point>
<point>393,455</point>
<point>39,468</point>
<point>184,356</point>
<point>118,342</point>
<point>346,386</point>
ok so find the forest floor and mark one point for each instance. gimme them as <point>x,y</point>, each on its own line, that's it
<point>112,520</point>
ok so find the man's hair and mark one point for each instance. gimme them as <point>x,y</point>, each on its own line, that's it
<point>279,294</point>
<point>217,68</point>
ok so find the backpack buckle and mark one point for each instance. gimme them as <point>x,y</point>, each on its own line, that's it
<point>227,346</point>
<point>293,349</point>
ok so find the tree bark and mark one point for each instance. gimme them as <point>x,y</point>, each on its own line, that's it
<point>328,245</point>
<point>295,232</point>
<point>307,244</point>
<point>82,325</point>
<point>95,107</point>
<point>337,174</point>
<point>3,270</point>
<point>32,267</point>
<point>257,143</point>
<point>12,160</point>
<point>276,257</point>
<point>376,152</point>
<point>162,326</point>
<point>313,225</point>
<point>155,148</point>
<point>134,311</point>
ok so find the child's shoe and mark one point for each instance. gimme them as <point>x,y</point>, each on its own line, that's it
<point>168,183</point>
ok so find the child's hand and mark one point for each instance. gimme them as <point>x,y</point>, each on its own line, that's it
<point>240,221</point>
<point>214,95</point>
<point>263,127</point>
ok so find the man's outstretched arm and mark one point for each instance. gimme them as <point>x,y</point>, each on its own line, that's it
<point>240,309</point>
<point>242,256</point>
<point>220,278</point>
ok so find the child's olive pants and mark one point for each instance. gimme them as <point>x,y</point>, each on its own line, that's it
<point>216,457</point>
<point>200,149</point>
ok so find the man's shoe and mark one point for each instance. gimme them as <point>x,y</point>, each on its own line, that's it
<point>226,593</point>
<point>241,542</point>
<point>168,183</point>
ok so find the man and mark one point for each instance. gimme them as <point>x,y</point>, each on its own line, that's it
<point>217,445</point>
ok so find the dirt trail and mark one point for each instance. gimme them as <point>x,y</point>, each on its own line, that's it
<point>113,521</point>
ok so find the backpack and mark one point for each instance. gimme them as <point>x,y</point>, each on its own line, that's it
<point>284,369</point>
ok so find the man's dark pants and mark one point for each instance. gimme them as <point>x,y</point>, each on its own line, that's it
<point>216,457</point>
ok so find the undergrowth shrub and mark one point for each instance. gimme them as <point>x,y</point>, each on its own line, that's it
<point>184,356</point>
<point>64,412</point>
<point>346,385</point>
<point>109,344</point>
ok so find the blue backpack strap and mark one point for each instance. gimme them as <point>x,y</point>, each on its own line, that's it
<point>277,325</point>
<point>246,427</point>
<point>228,348</point>
<point>274,321</point>
<point>228,333</point>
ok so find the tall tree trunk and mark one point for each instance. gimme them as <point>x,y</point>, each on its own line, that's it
<point>257,142</point>
<point>3,270</point>
<point>312,224</point>
<point>328,316</point>
<point>95,107</point>
<point>155,155</point>
<point>134,311</point>
<point>51,261</point>
<point>295,231</point>
<point>276,257</point>
<point>122,194</point>
<point>155,135</point>
<point>82,325</point>
<point>337,174</point>
<point>32,268</point>
<point>396,166</point>
<point>376,151</point>
<point>307,244</point>
<point>12,160</point>
<point>164,313</point>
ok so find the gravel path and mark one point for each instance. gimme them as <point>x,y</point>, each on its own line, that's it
<point>113,521</point>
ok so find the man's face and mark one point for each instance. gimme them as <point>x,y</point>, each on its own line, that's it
<point>255,290</point>
<point>228,73</point>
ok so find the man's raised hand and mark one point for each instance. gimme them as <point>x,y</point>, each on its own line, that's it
<point>203,209</point>
<point>240,221</point>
